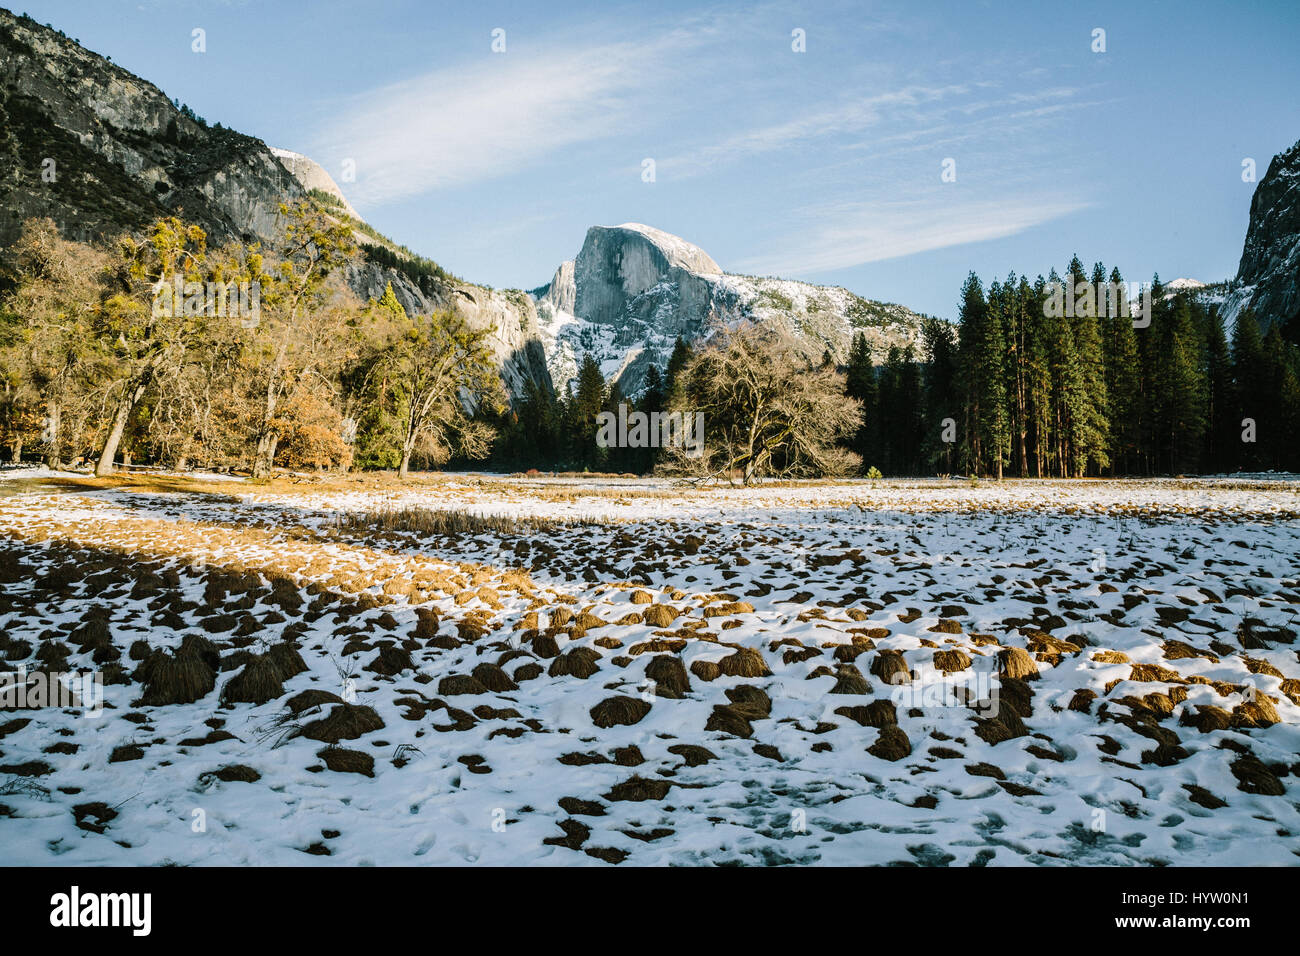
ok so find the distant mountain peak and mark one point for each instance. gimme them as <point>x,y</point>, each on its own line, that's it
<point>633,290</point>
<point>311,175</point>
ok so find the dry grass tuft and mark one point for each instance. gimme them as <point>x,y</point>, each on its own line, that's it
<point>891,667</point>
<point>414,519</point>
<point>669,676</point>
<point>345,722</point>
<point>892,744</point>
<point>175,679</point>
<point>660,615</point>
<point>639,788</point>
<point>310,699</point>
<point>878,713</point>
<point>745,662</point>
<point>341,760</point>
<point>1016,662</point>
<point>951,662</point>
<point>577,662</point>
<point>620,710</point>
<point>493,678</point>
<point>257,683</point>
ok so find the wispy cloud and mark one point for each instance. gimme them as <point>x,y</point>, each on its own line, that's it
<point>847,149</point>
<point>492,116</point>
<point>852,234</point>
<point>842,120</point>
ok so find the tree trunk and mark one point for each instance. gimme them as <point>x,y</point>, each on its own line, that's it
<point>54,413</point>
<point>264,458</point>
<point>125,406</point>
<point>409,439</point>
<point>18,450</point>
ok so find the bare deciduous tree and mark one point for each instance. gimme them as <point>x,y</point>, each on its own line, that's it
<point>768,411</point>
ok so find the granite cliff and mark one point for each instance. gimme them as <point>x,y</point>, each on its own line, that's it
<point>1268,277</point>
<point>633,290</point>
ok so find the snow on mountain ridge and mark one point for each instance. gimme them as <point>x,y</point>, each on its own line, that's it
<point>633,290</point>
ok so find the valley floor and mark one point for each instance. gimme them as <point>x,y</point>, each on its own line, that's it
<point>567,671</point>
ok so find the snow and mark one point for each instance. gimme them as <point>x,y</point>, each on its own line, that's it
<point>26,472</point>
<point>1112,564</point>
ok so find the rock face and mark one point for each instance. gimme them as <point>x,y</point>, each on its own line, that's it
<point>123,154</point>
<point>641,273</point>
<point>311,175</point>
<point>100,150</point>
<point>1268,278</point>
<point>633,290</point>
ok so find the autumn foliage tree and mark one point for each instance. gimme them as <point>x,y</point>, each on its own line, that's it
<point>295,330</point>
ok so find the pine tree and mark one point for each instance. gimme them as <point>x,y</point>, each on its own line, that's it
<point>1123,382</point>
<point>676,362</point>
<point>1281,427</point>
<point>940,391</point>
<point>1180,390</point>
<point>652,402</point>
<point>982,357</point>
<point>1067,385</point>
<point>1250,377</point>
<point>860,383</point>
<point>619,457</point>
<point>909,412</point>
<point>1017,320</point>
<point>1091,438</point>
<point>1222,446</point>
<point>587,401</point>
<point>889,416</point>
<point>1146,424</point>
<point>1038,379</point>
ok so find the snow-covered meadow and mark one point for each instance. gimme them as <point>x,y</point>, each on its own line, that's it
<point>586,671</point>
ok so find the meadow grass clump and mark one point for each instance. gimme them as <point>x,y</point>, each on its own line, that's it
<point>418,519</point>
<point>257,683</point>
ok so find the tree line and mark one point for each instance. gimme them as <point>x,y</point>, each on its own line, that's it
<point>1019,387</point>
<point>305,376</point>
<point>159,349</point>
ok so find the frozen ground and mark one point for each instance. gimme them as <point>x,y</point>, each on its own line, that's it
<point>1091,673</point>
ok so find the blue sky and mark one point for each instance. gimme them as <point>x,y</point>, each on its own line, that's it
<point>823,165</point>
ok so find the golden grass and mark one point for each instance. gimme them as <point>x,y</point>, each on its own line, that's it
<point>418,519</point>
